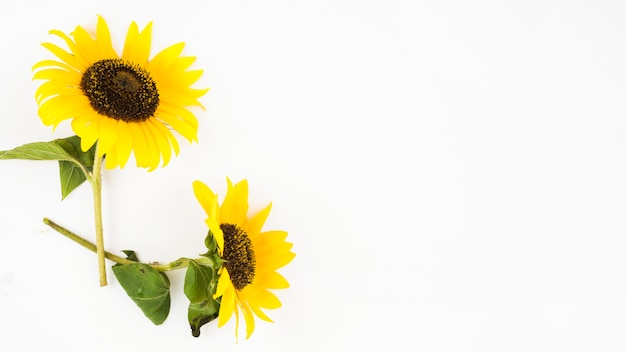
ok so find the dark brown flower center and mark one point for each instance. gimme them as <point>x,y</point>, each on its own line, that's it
<point>238,256</point>
<point>120,90</point>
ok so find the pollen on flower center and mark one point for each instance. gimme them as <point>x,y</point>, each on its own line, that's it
<point>238,256</point>
<point>120,90</point>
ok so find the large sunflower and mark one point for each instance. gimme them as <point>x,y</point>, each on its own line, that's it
<point>125,103</point>
<point>251,257</point>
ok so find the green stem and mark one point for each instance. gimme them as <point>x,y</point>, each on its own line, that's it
<point>83,242</point>
<point>82,168</point>
<point>177,264</point>
<point>96,186</point>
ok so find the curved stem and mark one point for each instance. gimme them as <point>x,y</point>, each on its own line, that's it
<point>177,264</point>
<point>96,186</point>
<point>83,242</point>
<point>82,168</point>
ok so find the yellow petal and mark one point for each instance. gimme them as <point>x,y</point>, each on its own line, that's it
<point>53,63</point>
<point>145,43</point>
<point>71,78</point>
<point>140,145</point>
<point>267,250</point>
<point>223,283</point>
<point>51,89</point>
<point>103,40</point>
<point>276,261</point>
<point>107,134</point>
<point>204,195</point>
<point>62,106</point>
<point>181,81</point>
<point>182,63</point>
<point>86,127</point>
<point>137,44</point>
<point>162,61</point>
<point>180,112</point>
<point>112,159</point>
<point>146,152</point>
<point>124,144</point>
<point>190,77</point>
<point>235,205</point>
<point>161,140</point>
<point>168,67</point>
<point>269,239</point>
<point>159,149</point>
<point>248,316</point>
<point>66,57</point>
<point>170,137</point>
<point>236,324</point>
<point>261,297</point>
<point>59,107</point>
<point>86,45</point>
<point>255,224</point>
<point>189,132</point>
<point>132,37</point>
<point>271,280</point>
<point>227,306</point>
<point>259,313</point>
<point>155,153</point>
<point>217,232</point>
<point>77,60</point>
<point>48,112</point>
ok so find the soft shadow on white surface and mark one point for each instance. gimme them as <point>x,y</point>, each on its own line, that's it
<point>451,174</point>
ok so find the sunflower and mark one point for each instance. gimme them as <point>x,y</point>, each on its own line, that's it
<point>251,257</point>
<point>127,103</point>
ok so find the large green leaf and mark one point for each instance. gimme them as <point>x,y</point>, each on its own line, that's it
<point>37,151</point>
<point>69,154</point>
<point>200,285</point>
<point>147,287</point>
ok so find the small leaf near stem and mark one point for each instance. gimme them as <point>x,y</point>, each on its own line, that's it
<point>200,285</point>
<point>71,177</point>
<point>74,173</point>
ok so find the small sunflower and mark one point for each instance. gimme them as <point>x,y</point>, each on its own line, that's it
<point>127,103</point>
<point>251,257</point>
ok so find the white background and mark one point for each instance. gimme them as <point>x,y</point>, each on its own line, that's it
<point>452,174</point>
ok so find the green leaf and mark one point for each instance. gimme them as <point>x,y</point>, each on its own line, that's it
<point>202,313</point>
<point>37,151</point>
<point>67,151</point>
<point>200,285</point>
<point>72,146</point>
<point>131,255</point>
<point>147,287</point>
<point>197,281</point>
<point>212,255</point>
<point>70,173</point>
<point>71,177</point>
